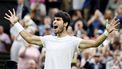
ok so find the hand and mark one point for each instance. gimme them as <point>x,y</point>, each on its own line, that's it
<point>113,25</point>
<point>97,14</point>
<point>12,17</point>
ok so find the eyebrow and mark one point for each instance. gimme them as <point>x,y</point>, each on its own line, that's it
<point>58,18</point>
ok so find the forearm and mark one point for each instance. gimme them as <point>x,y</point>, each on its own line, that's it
<point>91,20</point>
<point>31,39</point>
<point>20,30</point>
<point>100,40</point>
<point>26,36</point>
<point>102,20</point>
<point>93,43</point>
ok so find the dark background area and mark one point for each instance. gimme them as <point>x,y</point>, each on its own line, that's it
<point>5,5</point>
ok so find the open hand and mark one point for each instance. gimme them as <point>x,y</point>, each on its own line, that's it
<point>113,25</point>
<point>11,17</point>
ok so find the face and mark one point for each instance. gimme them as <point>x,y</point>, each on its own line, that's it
<point>1,29</point>
<point>108,14</point>
<point>20,1</point>
<point>58,25</point>
<point>97,59</point>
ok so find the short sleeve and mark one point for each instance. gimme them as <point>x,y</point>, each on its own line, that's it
<point>77,41</point>
<point>44,39</point>
<point>13,31</point>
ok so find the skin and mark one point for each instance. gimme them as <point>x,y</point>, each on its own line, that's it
<point>61,31</point>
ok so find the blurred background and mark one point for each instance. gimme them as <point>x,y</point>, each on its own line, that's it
<point>88,20</point>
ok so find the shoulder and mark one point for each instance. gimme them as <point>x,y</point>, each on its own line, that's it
<point>74,37</point>
<point>47,37</point>
<point>5,35</point>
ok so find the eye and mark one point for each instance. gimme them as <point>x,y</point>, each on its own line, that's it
<point>58,19</point>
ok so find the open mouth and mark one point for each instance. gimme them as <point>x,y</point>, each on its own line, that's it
<point>55,27</point>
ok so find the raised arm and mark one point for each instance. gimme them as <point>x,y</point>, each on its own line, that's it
<point>32,39</point>
<point>113,25</point>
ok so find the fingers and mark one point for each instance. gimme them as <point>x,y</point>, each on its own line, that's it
<point>7,15</point>
<point>10,12</point>
<point>117,25</point>
<point>113,19</point>
<point>14,12</point>
<point>6,18</point>
<point>107,23</point>
<point>116,21</point>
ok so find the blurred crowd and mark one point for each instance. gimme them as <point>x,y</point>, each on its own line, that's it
<point>88,21</point>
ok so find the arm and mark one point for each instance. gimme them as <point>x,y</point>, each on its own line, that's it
<point>20,30</point>
<point>97,16</point>
<point>95,43</point>
<point>92,43</point>
<point>31,39</point>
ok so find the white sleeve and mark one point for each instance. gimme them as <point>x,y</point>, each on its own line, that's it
<point>44,39</point>
<point>16,29</point>
<point>13,32</point>
<point>77,41</point>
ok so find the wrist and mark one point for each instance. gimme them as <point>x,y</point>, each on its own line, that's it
<point>18,28</point>
<point>106,33</point>
<point>16,20</point>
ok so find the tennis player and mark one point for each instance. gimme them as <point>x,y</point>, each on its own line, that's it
<point>59,48</point>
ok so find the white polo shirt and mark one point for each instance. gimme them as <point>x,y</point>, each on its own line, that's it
<point>59,51</point>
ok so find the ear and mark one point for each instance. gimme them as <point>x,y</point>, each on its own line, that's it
<point>65,24</point>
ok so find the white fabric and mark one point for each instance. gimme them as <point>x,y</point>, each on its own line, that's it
<point>106,33</point>
<point>59,51</point>
<point>78,4</point>
<point>19,11</point>
<point>17,28</point>
<point>16,46</point>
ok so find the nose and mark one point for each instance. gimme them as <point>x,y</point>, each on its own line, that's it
<point>54,22</point>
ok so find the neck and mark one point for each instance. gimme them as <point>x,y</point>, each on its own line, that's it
<point>62,34</point>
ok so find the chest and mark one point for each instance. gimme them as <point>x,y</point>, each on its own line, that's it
<point>60,44</point>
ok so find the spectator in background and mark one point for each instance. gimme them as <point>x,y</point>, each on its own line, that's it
<point>86,59</point>
<point>31,64</point>
<point>52,12</point>
<point>115,46</point>
<point>115,63</point>
<point>108,14</point>
<point>113,4</point>
<point>97,21</point>
<point>77,4</point>
<point>97,62</point>
<point>53,4</point>
<point>118,13</point>
<point>18,42</point>
<point>33,1</point>
<point>77,16</point>
<point>66,5</point>
<point>79,30</point>
<point>27,53</point>
<point>70,30</point>
<point>39,6</point>
<point>5,41</point>
<point>45,26</point>
<point>21,9</point>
